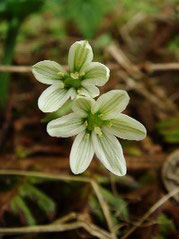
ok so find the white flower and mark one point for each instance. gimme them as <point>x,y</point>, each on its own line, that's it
<point>82,78</point>
<point>96,123</point>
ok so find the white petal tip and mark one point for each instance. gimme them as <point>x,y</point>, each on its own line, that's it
<point>76,172</point>
<point>119,171</point>
<point>122,172</point>
<point>43,108</point>
<point>143,134</point>
<point>49,131</point>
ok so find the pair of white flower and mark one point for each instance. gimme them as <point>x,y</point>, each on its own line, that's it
<point>96,123</point>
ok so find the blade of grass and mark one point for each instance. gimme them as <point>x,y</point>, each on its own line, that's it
<point>12,33</point>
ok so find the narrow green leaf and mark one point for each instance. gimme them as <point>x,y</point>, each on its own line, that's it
<point>44,202</point>
<point>18,205</point>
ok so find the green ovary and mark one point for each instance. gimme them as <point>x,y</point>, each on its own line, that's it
<point>70,82</point>
<point>93,121</point>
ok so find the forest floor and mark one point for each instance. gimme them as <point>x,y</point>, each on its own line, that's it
<point>39,194</point>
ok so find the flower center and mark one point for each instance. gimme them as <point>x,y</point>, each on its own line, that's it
<point>93,122</point>
<point>72,80</point>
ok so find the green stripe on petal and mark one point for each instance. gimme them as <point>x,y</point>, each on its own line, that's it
<point>126,127</point>
<point>95,74</point>
<point>111,103</point>
<point>66,126</point>
<point>82,106</point>
<point>109,151</point>
<point>82,153</point>
<point>80,53</point>
<point>47,71</point>
<point>89,91</point>
<point>53,98</point>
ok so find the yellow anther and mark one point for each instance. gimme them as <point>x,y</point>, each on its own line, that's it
<point>79,92</point>
<point>98,131</point>
<point>82,73</point>
<point>61,74</point>
<point>87,135</point>
<point>101,116</point>
<point>79,63</point>
<point>85,123</point>
<point>110,124</point>
<point>62,85</point>
<point>74,75</point>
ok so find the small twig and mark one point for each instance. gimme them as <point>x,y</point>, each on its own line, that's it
<point>104,207</point>
<point>124,61</point>
<point>141,83</point>
<point>147,224</point>
<point>39,228</point>
<point>44,175</point>
<point>20,69</point>
<point>140,88</point>
<point>131,25</point>
<point>89,227</point>
<point>15,68</point>
<point>151,210</point>
<point>151,67</point>
<point>66,218</point>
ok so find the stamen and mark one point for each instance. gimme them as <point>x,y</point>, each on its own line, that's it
<point>85,123</point>
<point>74,75</point>
<point>87,135</point>
<point>79,92</point>
<point>62,85</point>
<point>110,124</point>
<point>101,116</point>
<point>98,131</point>
<point>82,73</point>
<point>61,74</point>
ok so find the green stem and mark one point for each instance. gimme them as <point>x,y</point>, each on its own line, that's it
<point>12,33</point>
<point>66,108</point>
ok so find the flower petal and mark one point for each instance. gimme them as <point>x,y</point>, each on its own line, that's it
<point>111,103</point>
<point>79,54</point>
<point>53,98</point>
<point>89,91</point>
<point>81,154</point>
<point>47,71</point>
<point>73,93</point>
<point>126,127</point>
<point>82,106</point>
<point>95,74</point>
<point>109,151</point>
<point>65,126</point>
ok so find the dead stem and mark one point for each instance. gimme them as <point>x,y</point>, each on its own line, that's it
<point>16,68</point>
<point>151,67</point>
<point>54,227</point>
<point>19,69</point>
<point>105,208</point>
